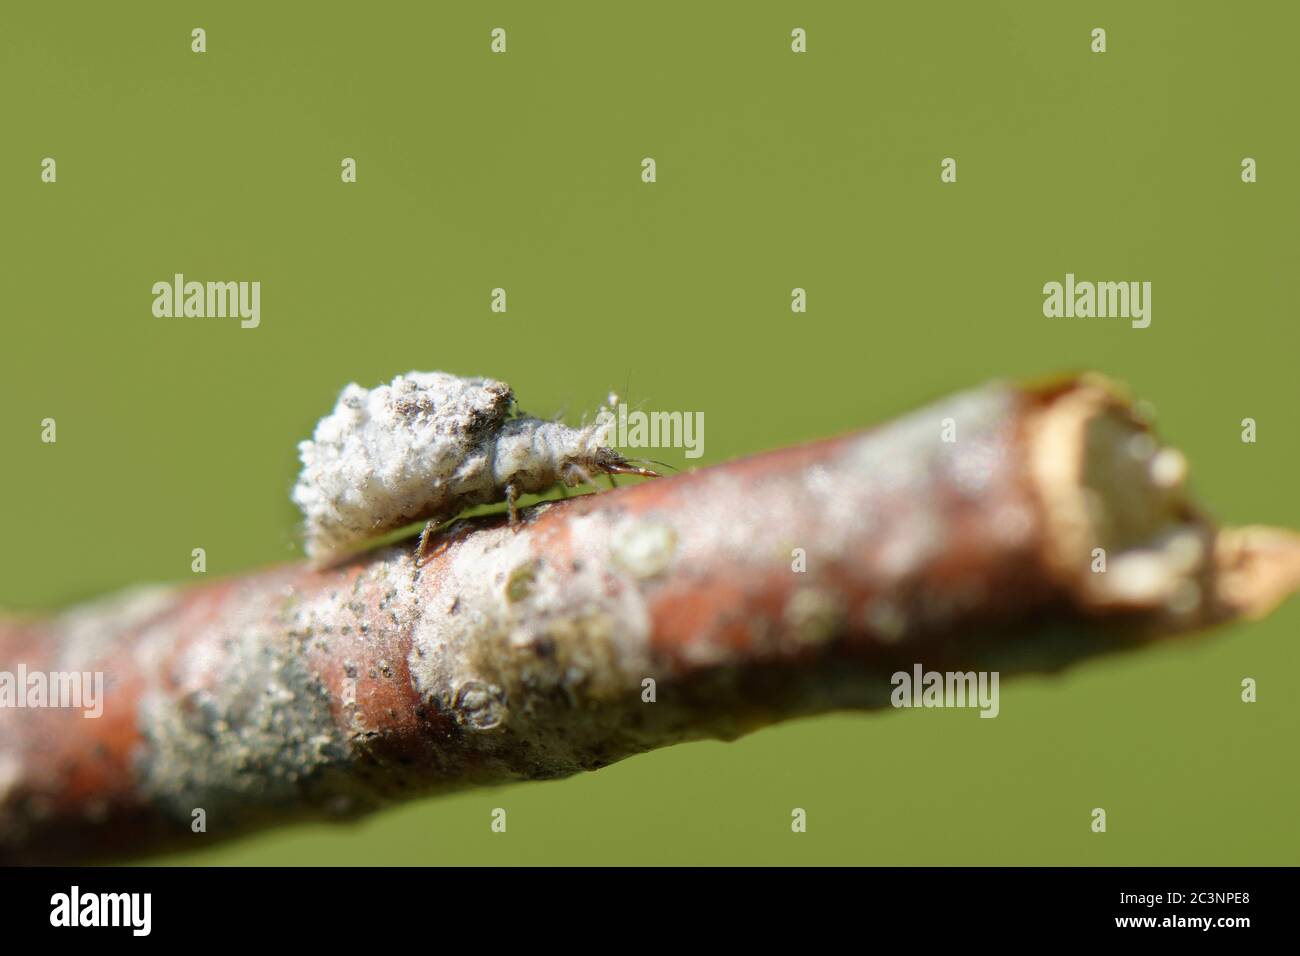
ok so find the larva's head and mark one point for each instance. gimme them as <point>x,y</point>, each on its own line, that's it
<point>585,466</point>
<point>611,462</point>
<point>591,455</point>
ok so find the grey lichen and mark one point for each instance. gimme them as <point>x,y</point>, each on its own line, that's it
<point>264,736</point>
<point>240,732</point>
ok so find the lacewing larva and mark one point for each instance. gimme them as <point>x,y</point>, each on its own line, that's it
<point>426,447</point>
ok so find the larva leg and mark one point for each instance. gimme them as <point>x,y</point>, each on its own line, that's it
<point>575,475</point>
<point>585,477</point>
<point>512,496</point>
<point>424,541</point>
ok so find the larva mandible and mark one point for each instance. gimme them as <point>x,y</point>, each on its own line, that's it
<point>428,446</point>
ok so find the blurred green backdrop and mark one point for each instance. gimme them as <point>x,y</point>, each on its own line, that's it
<point>775,170</point>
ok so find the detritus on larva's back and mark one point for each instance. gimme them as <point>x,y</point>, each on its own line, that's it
<point>428,446</point>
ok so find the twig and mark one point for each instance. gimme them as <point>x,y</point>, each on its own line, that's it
<point>612,624</point>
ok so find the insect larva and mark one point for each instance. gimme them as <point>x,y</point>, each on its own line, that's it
<point>428,446</point>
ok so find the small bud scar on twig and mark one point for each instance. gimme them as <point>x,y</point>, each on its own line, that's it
<point>300,693</point>
<point>428,446</point>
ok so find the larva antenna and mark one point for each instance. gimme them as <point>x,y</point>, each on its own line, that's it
<point>616,397</point>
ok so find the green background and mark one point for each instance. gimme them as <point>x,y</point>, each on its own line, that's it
<point>775,170</point>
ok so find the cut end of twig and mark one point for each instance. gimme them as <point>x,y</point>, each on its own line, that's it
<point>1257,568</point>
<point>1125,535</point>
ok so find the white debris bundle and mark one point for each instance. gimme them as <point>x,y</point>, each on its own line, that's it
<point>391,455</point>
<point>427,446</point>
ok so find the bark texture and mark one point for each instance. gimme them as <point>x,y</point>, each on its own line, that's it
<point>790,583</point>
